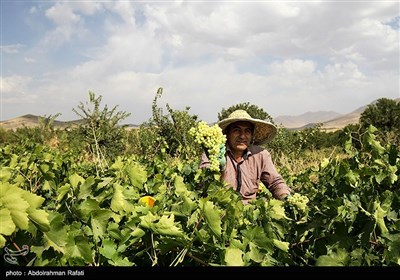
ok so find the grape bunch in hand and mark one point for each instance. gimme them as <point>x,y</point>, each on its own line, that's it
<point>212,141</point>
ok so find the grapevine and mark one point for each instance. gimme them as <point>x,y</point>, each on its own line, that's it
<point>210,138</point>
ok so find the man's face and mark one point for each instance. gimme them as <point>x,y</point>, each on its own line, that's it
<point>239,135</point>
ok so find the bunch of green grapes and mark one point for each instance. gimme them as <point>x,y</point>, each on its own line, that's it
<point>299,201</point>
<point>210,138</point>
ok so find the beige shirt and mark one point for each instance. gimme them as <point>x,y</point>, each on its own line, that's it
<point>255,167</point>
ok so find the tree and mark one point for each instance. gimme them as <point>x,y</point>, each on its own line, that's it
<point>166,132</point>
<point>384,114</point>
<point>253,110</point>
<point>100,130</point>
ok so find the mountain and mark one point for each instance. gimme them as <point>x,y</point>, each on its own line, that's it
<point>342,121</point>
<point>306,118</point>
<point>330,120</point>
<point>310,119</point>
<point>351,118</point>
<point>33,121</point>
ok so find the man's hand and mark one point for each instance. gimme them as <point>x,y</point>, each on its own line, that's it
<point>221,157</point>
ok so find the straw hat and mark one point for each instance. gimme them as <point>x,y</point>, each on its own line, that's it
<point>264,131</point>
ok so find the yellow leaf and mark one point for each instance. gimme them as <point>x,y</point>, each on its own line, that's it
<point>148,200</point>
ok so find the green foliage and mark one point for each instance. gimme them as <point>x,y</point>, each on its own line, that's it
<point>166,133</point>
<point>384,114</point>
<point>145,142</point>
<point>353,211</point>
<point>44,133</point>
<point>347,212</point>
<point>318,139</point>
<point>98,221</point>
<point>253,110</point>
<point>5,136</point>
<point>19,211</point>
<point>100,130</point>
<point>293,143</point>
<point>53,201</point>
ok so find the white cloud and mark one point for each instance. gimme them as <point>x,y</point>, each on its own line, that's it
<point>29,60</point>
<point>69,21</point>
<point>124,9</point>
<point>287,57</point>
<point>15,89</point>
<point>9,49</point>
<point>288,68</point>
<point>33,10</point>
<point>62,15</point>
<point>343,72</point>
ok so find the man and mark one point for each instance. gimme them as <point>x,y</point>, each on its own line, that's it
<point>246,164</point>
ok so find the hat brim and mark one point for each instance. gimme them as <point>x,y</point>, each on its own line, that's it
<point>264,131</point>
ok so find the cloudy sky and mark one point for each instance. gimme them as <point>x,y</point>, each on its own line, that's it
<point>286,57</point>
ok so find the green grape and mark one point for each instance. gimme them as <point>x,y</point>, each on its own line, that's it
<point>299,201</point>
<point>210,138</point>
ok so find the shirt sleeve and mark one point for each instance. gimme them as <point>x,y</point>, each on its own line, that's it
<point>271,178</point>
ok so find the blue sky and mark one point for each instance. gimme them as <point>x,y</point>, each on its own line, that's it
<point>287,57</point>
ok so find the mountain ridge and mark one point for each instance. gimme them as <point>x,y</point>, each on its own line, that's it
<point>330,120</point>
<point>306,118</point>
<point>335,123</point>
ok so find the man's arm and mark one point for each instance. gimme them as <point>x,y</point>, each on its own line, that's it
<point>272,179</point>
